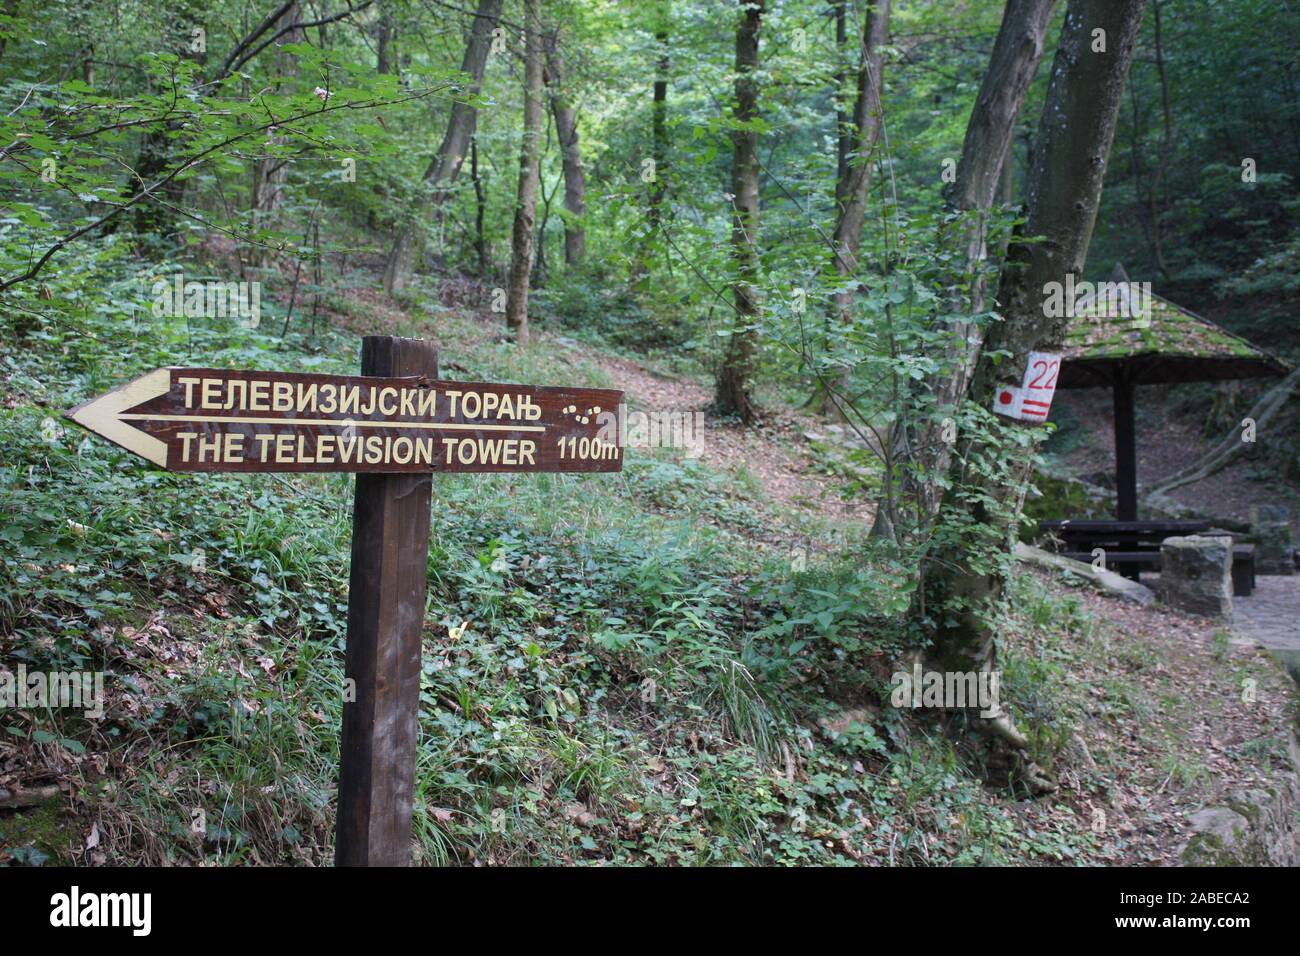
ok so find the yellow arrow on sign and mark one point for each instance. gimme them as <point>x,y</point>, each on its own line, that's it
<point>103,415</point>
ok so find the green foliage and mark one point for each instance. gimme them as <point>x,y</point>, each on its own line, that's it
<point>1225,231</point>
<point>627,687</point>
<point>617,668</point>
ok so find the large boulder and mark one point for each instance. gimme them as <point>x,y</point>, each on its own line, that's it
<point>1270,526</point>
<point>1108,582</point>
<point>1255,828</point>
<point>1221,837</point>
<point>1196,575</point>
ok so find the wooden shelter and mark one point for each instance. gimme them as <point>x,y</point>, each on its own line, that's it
<point>1124,336</point>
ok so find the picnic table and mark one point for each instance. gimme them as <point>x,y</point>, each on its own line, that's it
<point>1131,545</point>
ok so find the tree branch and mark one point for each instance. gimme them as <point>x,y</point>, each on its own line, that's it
<point>189,164</point>
<point>1222,454</point>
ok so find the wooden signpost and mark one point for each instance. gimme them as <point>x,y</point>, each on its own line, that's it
<point>396,424</point>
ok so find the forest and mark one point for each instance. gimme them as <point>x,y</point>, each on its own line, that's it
<point>933,470</point>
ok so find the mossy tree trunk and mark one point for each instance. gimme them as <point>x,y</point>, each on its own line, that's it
<point>566,131</point>
<point>851,193</point>
<point>856,144</point>
<point>1063,193</point>
<point>985,154</point>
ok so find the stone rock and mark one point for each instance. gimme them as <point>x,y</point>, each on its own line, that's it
<point>1196,575</point>
<point>1270,525</point>
<point>1221,837</point>
<point>1106,581</point>
<point>1255,828</point>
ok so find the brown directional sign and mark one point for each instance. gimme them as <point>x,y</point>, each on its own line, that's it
<point>397,418</point>
<point>203,419</point>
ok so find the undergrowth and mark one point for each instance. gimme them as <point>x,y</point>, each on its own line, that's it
<point>613,670</point>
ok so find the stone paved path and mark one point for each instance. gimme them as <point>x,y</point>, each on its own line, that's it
<point>1271,615</point>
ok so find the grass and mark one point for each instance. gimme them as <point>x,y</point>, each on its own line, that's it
<point>615,669</point>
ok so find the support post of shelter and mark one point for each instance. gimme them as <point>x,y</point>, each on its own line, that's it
<point>1126,508</point>
<point>1125,450</point>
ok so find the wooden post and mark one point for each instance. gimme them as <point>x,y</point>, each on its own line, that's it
<point>166,417</point>
<point>1125,450</point>
<point>386,597</point>
<point>1125,462</point>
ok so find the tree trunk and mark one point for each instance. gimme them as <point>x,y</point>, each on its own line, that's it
<point>1166,139</point>
<point>541,270</point>
<point>1141,200</point>
<point>566,131</point>
<point>446,163</point>
<point>852,193</point>
<point>843,135</point>
<point>271,172</point>
<point>856,141</point>
<point>986,150</point>
<point>385,61</point>
<point>1007,188</point>
<point>480,205</point>
<point>659,129</point>
<point>521,245</point>
<point>658,148</point>
<point>1063,193</point>
<point>985,153</point>
<point>151,217</point>
<point>659,138</point>
<point>737,368</point>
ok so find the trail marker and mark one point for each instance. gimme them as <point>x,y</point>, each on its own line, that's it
<point>396,425</point>
<point>1033,399</point>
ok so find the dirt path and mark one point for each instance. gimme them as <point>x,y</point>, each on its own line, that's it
<point>1170,726</point>
<point>775,453</point>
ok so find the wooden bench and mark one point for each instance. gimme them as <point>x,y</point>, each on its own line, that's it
<point>1133,545</point>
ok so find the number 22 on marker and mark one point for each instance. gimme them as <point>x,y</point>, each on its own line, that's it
<point>1045,368</point>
